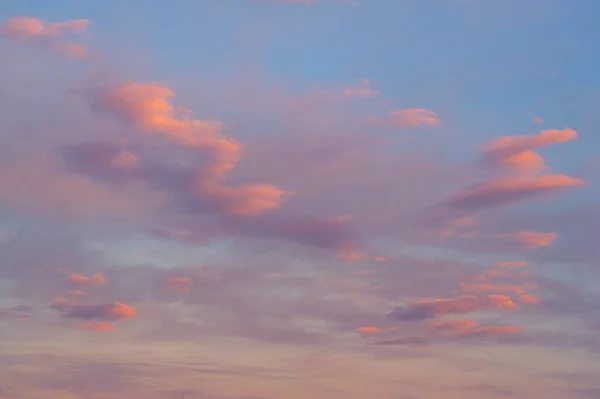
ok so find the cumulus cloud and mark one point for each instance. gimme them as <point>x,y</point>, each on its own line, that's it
<point>148,107</point>
<point>112,311</point>
<point>47,34</point>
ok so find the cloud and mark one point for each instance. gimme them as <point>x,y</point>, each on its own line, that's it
<point>508,190</point>
<point>179,283</point>
<point>454,325</point>
<point>105,327</point>
<point>470,328</point>
<point>486,287</point>
<point>369,330</point>
<point>96,279</point>
<point>513,264</point>
<point>112,311</point>
<point>431,308</point>
<point>511,145</point>
<point>46,34</point>
<point>529,299</point>
<point>534,239</point>
<point>516,153</point>
<point>148,107</point>
<point>407,118</point>
<point>361,90</point>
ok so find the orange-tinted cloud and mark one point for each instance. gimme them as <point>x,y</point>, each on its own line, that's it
<point>516,153</point>
<point>47,34</point>
<point>406,118</point>
<point>96,279</point>
<point>77,293</point>
<point>524,163</point>
<point>369,330</point>
<point>534,239</point>
<point>148,107</point>
<point>485,287</point>
<point>506,146</point>
<point>105,327</point>
<point>179,283</point>
<point>109,311</point>
<point>509,190</point>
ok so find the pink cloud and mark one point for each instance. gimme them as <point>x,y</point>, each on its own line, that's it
<point>96,279</point>
<point>406,118</point>
<point>516,153</point>
<point>77,293</point>
<point>534,239</point>
<point>454,325</point>
<point>148,107</point>
<point>485,287</point>
<point>48,34</point>
<point>110,311</point>
<point>471,328</point>
<point>509,190</point>
<point>502,302</point>
<point>104,327</point>
<point>369,330</point>
<point>510,145</point>
<point>529,299</point>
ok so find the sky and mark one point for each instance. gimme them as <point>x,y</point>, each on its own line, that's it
<point>291,199</point>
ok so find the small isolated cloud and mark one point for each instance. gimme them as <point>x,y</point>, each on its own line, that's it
<point>51,35</point>
<point>179,283</point>
<point>104,327</point>
<point>110,311</point>
<point>537,120</point>
<point>407,118</point>
<point>96,279</point>
<point>517,153</point>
